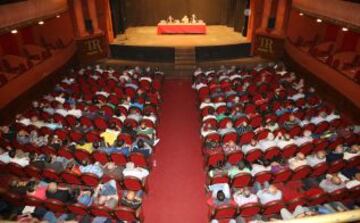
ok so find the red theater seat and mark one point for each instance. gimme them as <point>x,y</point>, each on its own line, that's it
<point>241,180</point>
<point>249,210</point>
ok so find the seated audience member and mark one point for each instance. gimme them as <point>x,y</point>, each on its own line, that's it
<point>56,163</point>
<point>319,118</point>
<point>297,161</point>
<point>316,158</point>
<point>142,147</point>
<point>110,135</point>
<point>267,143</point>
<point>86,146</point>
<point>118,147</point>
<point>7,132</point>
<point>85,197</point>
<point>306,138</point>
<point>231,147</point>
<point>354,182</point>
<point>106,194</point>
<point>291,122</point>
<point>228,128</point>
<point>207,129</point>
<point>251,146</point>
<point>55,192</point>
<point>258,168</point>
<point>244,196</point>
<point>38,190</point>
<point>284,140</point>
<point>137,172</point>
<point>220,187</point>
<point>331,183</point>
<point>336,154</point>
<point>132,199</point>
<point>266,195</point>
<point>278,166</point>
<point>351,152</point>
<point>114,171</point>
<point>299,212</point>
<point>143,129</point>
<point>241,167</point>
<point>219,200</point>
<point>243,128</point>
<point>95,168</point>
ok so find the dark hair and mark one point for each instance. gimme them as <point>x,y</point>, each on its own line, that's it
<point>30,186</point>
<point>140,143</point>
<point>120,142</point>
<point>220,195</point>
<point>12,153</point>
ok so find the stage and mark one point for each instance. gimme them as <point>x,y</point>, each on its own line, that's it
<point>147,36</point>
<point>144,43</point>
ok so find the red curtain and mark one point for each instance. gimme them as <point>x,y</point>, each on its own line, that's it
<point>9,44</point>
<point>350,41</point>
<point>27,35</point>
<point>331,33</point>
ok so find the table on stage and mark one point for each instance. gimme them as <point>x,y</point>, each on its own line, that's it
<point>164,28</point>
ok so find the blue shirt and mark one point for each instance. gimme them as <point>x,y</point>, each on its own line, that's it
<point>92,168</point>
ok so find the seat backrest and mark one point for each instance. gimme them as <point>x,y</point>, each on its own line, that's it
<point>90,179</point>
<point>263,176</point>
<point>224,212</point>
<point>282,176</point>
<point>132,183</point>
<point>125,214</point>
<point>301,172</point>
<point>249,210</point>
<point>272,207</point>
<point>235,157</point>
<point>241,180</point>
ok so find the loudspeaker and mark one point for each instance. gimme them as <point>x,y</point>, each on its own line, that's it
<point>89,25</point>
<point>271,22</point>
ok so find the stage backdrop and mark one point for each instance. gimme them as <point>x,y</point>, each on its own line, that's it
<point>150,12</point>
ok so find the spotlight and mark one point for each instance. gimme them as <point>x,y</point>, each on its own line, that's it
<point>14,31</point>
<point>301,14</point>
<point>318,20</point>
<point>345,29</point>
<point>41,22</point>
<point>58,16</point>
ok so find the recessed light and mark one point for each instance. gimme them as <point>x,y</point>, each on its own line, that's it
<point>14,31</point>
<point>41,22</point>
<point>319,20</point>
<point>58,16</point>
<point>345,29</point>
<point>301,14</point>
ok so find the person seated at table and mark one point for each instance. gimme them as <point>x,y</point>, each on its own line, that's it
<point>185,19</point>
<point>170,19</point>
<point>244,196</point>
<point>194,18</point>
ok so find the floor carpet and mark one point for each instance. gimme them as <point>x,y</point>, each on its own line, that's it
<point>177,181</point>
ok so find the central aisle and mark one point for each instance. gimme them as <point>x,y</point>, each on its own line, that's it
<point>176,184</point>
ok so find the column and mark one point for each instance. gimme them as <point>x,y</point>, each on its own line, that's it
<point>93,16</point>
<point>266,14</point>
<point>280,16</point>
<point>79,18</point>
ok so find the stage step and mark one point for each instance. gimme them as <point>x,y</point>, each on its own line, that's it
<point>185,59</point>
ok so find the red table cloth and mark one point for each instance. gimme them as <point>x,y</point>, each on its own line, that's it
<point>181,28</point>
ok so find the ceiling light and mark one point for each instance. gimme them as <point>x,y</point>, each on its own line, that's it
<point>345,29</point>
<point>41,22</point>
<point>301,14</point>
<point>319,20</point>
<point>58,16</point>
<point>14,31</point>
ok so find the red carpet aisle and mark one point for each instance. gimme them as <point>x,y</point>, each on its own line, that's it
<point>177,182</point>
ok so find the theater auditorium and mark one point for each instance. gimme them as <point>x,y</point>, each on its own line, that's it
<point>180,111</point>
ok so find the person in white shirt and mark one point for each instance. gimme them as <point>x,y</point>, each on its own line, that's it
<point>331,184</point>
<point>244,196</point>
<point>215,188</point>
<point>133,171</point>
<point>270,194</point>
<point>283,141</point>
<point>251,146</point>
<point>297,161</point>
<point>74,111</point>
<point>354,182</point>
<point>332,117</point>
<point>316,158</point>
<point>257,168</point>
<point>318,119</point>
<point>268,142</point>
<point>353,151</point>
<point>206,103</point>
<point>304,139</point>
<point>228,128</point>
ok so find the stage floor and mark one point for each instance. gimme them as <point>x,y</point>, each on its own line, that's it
<point>147,36</point>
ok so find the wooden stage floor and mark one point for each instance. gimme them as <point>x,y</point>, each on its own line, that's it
<point>147,36</point>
